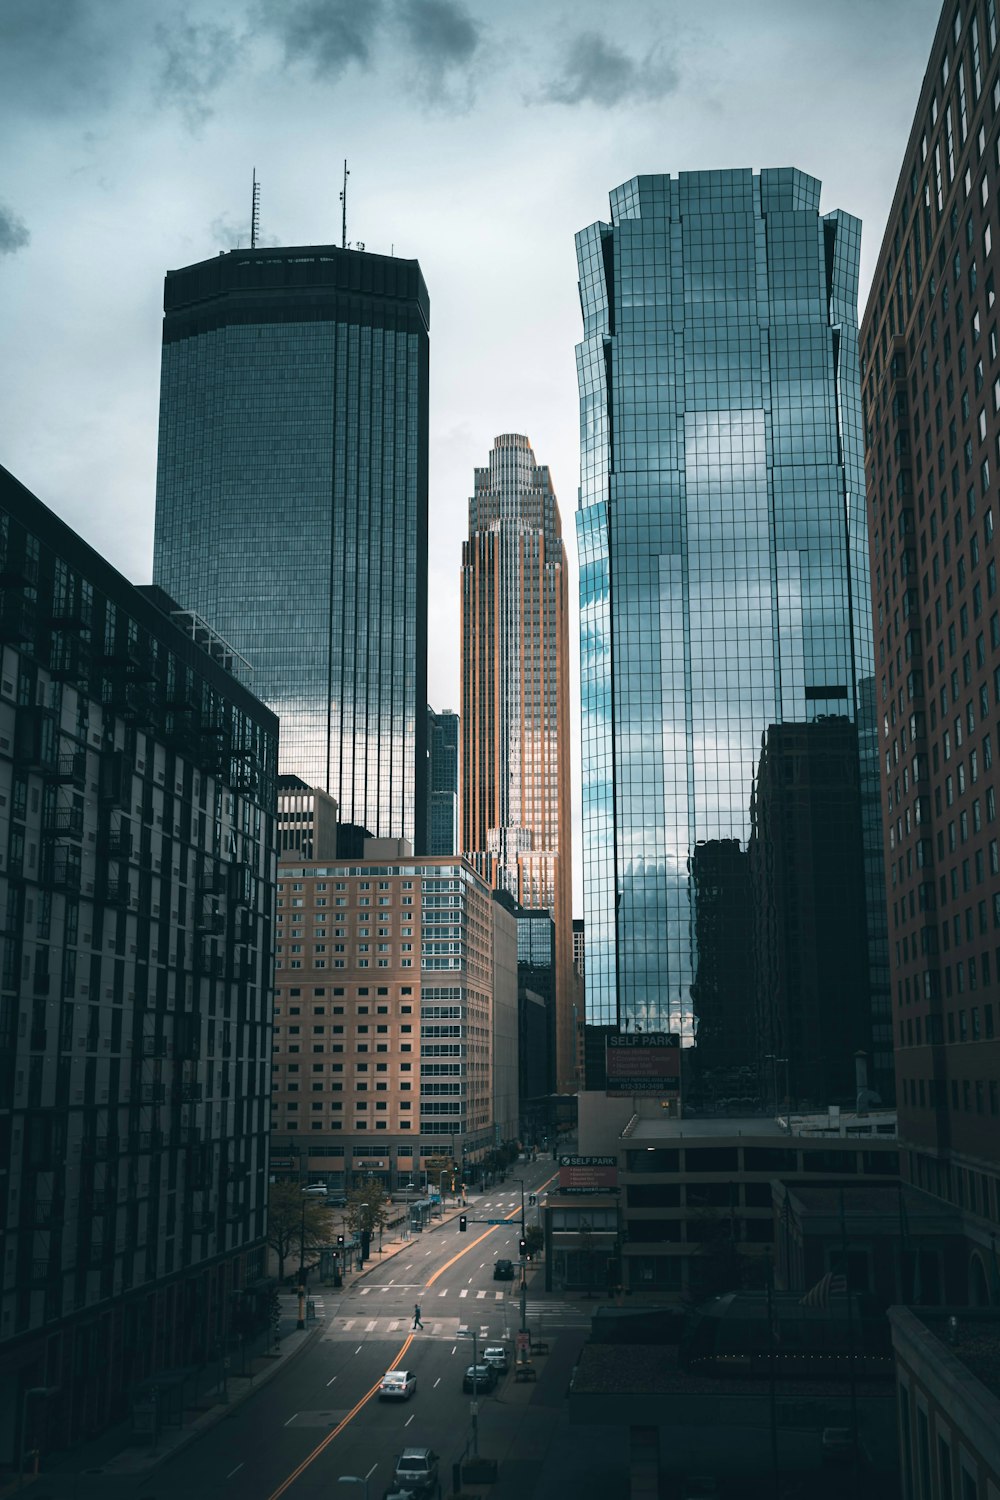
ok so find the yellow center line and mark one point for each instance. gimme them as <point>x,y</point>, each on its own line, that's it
<point>312,1457</point>
<point>320,1447</point>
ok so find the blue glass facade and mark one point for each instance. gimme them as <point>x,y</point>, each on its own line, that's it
<point>723,550</point>
<point>291,504</point>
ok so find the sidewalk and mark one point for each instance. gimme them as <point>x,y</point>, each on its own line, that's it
<point>115,1454</point>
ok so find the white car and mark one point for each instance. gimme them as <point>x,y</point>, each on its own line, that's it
<point>397,1385</point>
<point>496,1355</point>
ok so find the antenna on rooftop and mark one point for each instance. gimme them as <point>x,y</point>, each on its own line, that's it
<point>255,213</point>
<point>343,214</point>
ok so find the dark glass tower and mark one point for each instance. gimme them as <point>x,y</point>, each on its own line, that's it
<point>291,504</point>
<point>723,570</point>
<point>442,781</point>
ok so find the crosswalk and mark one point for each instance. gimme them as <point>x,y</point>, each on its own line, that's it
<point>446,1292</point>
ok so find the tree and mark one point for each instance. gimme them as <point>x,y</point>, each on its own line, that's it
<point>535,1239</point>
<point>286,1205</point>
<point>367,1203</point>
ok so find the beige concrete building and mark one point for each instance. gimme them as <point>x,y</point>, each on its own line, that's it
<point>383,1045</point>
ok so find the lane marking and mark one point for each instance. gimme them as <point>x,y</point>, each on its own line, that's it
<point>444,1293</point>
<point>330,1382</point>
<point>311,1458</point>
<point>371,1325</point>
<point>464,1292</point>
<point>409,1419</point>
<point>234,1471</point>
<point>359,1348</point>
<point>291,1418</point>
<point>480,1295</point>
<point>454,1347</point>
<point>436,1383</point>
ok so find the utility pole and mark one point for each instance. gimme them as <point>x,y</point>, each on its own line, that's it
<point>302,1267</point>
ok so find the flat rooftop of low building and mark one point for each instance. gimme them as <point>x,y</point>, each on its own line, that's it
<point>654,1369</point>
<point>974,1340</point>
<point>907,1204</point>
<point>761,1127</point>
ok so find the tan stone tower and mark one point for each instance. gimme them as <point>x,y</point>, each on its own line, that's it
<point>515,769</point>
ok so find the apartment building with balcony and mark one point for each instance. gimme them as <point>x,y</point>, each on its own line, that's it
<point>137,857</point>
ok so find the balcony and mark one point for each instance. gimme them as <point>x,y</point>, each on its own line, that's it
<point>64,868</point>
<point>213,881</point>
<point>190,1093</point>
<point>117,891</point>
<point>43,1213</point>
<point>154,1046</point>
<point>69,769</point>
<point>116,841</point>
<point>69,657</point>
<point>65,822</point>
<point>35,743</point>
<point>211,923</point>
<point>41,1270</point>
<point>18,617</point>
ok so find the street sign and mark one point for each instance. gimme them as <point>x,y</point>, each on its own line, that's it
<point>493,1221</point>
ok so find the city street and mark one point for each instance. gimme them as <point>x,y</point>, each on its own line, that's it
<point>319,1417</point>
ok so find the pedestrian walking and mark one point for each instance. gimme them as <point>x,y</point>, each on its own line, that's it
<point>416,1317</point>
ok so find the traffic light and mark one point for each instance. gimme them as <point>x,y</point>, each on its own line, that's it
<point>463,1223</point>
<point>522,1249</point>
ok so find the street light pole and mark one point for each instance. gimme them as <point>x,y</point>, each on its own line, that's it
<point>470,1333</point>
<point>302,1267</point>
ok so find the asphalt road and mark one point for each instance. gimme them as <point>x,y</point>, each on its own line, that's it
<point>319,1417</point>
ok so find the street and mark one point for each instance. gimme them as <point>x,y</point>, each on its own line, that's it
<point>319,1417</point>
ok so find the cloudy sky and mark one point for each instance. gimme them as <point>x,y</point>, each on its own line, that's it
<point>480,137</point>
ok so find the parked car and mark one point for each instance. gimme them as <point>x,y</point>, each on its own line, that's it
<point>416,1470</point>
<point>479,1378</point>
<point>397,1385</point>
<point>503,1270</point>
<point>316,1189</point>
<point>496,1356</point>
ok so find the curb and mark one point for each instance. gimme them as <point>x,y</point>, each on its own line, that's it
<point>216,1413</point>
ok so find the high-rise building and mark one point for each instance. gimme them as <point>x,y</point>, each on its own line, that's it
<point>291,504</point>
<point>807,899</point>
<point>137,855</point>
<point>308,827</point>
<point>442,782</point>
<point>930,372</point>
<point>383,1032</point>
<point>723,560</point>
<point>515,812</point>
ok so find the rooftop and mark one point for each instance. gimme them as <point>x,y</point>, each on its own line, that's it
<point>973,1338</point>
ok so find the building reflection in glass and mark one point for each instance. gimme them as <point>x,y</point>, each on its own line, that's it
<point>723,567</point>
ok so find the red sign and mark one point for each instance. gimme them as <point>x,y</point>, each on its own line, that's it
<point>588,1174</point>
<point>644,1063</point>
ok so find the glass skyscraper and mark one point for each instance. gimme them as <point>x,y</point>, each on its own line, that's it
<point>723,569</point>
<point>514,735</point>
<point>442,782</point>
<point>291,504</point>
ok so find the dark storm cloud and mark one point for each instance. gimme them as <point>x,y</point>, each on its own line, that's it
<point>597,71</point>
<point>14,232</point>
<point>440,33</point>
<point>439,39</point>
<point>60,56</point>
<point>195,59</point>
<point>328,35</point>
